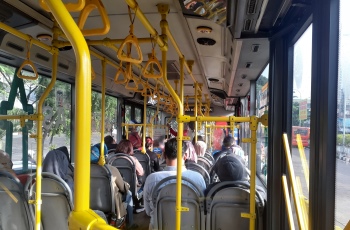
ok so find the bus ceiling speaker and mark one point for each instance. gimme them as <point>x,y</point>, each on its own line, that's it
<point>206,41</point>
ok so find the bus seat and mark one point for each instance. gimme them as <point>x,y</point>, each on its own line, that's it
<point>205,163</point>
<point>101,190</point>
<point>209,157</point>
<point>200,169</point>
<point>13,215</point>
<point>226,201</point>
<point>164,200</point>
<point>126,167</point>
<point>56,201</point>
<point>145,162</point>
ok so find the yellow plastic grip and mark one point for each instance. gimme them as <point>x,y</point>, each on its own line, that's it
<point>121,73</point>
<point>71,7</point>
<point>150,73</point>
<point>132,40</point>
<point>90,6</point>
<point>131,85</point>
<point>31,65</point>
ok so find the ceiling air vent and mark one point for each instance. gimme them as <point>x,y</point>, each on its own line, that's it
<point>63,66</point>
<point>15,46</point>
<point>251,7</point>
<point>213,79</point>
<point>255,48</point>
<point>247,24</point>
<point>6,57</point>
<point>248,65</point>
<point>206,41</point>
<point>42,57</point>
<point>45,70</point>
<point>244,76</point>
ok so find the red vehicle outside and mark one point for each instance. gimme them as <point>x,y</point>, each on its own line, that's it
<point>304,134</point>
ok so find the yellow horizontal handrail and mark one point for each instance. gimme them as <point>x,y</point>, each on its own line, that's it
<point>186,118</point>
<point>104,42</point>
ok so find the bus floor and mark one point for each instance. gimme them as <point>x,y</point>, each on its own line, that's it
<point>142,220</point>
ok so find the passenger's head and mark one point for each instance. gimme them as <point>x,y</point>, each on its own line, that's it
<point>6,163</point>
<point>149,142</point>
<point>230,168</point>
<point>125,146</point>
<point>199,138</point>
<point>170,152</point>
<point>228,142</point>
<point>96,152</point>
<point>200,148</point>
<point>109,140</point>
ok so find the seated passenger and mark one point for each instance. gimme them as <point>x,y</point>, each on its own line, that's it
<point>228,147</point>
<point>135,138</point>
<point>191,155</point>
<point>170,155</point>
<point>200,147</point>
<point>231,168</point>
<point>110,142</point>
<point>125,146</point>
<point>57,162</point>
<point>6,163</point>
<point>154,161</point>
<point>121,188</point>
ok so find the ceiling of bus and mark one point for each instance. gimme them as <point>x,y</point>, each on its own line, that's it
<point>225,68</point>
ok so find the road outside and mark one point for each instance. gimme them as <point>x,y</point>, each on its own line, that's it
<point>342,214</point>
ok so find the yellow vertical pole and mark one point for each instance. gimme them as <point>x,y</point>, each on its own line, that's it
<point>195,110</point>
<point>288,205</point>
<point>182,74</point>
<point>38,200</point>
<point>102,161</point>
<point>82,101</point>
<point>303,160</point>
<point>163,10</point>
<point>301,221</point>
<point>144,125</point>
<point>253,128</point>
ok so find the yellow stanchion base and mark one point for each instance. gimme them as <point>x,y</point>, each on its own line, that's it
<point>87,220</point>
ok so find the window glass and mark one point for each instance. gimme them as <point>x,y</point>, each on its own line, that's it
<point>110,116</point>
<point>127,116</point>
<point>262,96</point>
<point>342,191</point>
<point>301,114</point>
<point>56,111</point>
<point>138,115</point>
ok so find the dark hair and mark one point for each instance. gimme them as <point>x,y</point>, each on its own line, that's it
<point>170,150</point>
<point>228,141</point>
<point>108,140</point>
<point>199,138</point>
<point>149,142</point>
<point>125,146</point>
<point>155,143</point>
<point>230,168</point>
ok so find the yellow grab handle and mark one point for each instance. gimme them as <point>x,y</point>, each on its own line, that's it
<point>131,85</point>
<point>120,72</point>
<point>31,65</point>
<point>71,7</point>
<point>132,40</point>
<point>150,74</point>
<point>90,6</point>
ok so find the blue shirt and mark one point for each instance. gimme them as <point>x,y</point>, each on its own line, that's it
<point>153,179</point>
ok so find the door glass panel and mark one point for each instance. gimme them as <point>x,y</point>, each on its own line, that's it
<point>301,115</point>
